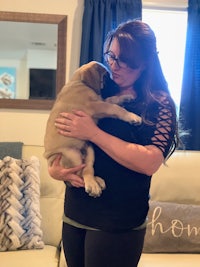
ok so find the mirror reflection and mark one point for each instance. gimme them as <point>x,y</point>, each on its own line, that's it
<point>32,59</point>
<point>28,60</point>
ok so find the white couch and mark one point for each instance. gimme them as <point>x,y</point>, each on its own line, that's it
<point>178,182</point>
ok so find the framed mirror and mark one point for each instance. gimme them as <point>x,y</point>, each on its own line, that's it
<point>32,59</point>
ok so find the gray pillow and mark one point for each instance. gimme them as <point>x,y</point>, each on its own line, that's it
<point>12,149</point>
<point>172,228</point>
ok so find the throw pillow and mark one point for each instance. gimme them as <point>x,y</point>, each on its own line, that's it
<point>20,217</point>
<point>173,228</point>
<point>12,149</point>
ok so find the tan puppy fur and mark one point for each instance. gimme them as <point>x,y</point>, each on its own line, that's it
<point>82,92</point>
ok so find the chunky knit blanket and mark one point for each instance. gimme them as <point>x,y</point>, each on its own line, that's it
<point>20,218</point>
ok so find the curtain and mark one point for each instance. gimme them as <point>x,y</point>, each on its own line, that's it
<point>190,96</point>
<point>99,17</point>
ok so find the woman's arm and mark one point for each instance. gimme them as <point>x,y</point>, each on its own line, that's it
<point>143,159</point>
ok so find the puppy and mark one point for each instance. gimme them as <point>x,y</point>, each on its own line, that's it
<point>83,92</point>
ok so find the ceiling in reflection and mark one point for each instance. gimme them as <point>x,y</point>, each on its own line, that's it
<point>17,37</point>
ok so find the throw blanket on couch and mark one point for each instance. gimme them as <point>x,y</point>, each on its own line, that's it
<point>20,217</point>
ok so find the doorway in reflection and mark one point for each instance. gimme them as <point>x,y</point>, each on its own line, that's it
<point>42,83</point>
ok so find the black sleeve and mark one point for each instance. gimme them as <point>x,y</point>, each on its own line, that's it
<point>160,132</point>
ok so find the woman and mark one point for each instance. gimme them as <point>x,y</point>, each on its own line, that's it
<point>110,230</point>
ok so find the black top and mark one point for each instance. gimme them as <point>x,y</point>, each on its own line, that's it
<point>123,205</point>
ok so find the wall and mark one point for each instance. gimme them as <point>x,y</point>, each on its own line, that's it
<point>28,126</point>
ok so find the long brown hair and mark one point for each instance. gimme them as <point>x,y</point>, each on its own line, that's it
<point>137,44</point>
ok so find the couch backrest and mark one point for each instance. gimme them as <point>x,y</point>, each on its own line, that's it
<point>179,181</point>
<point>51,199</point>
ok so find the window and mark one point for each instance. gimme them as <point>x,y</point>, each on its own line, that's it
<point>170,29</point>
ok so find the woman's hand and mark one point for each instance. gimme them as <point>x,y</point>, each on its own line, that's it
<point>77,124</point>
<point>69,175</point>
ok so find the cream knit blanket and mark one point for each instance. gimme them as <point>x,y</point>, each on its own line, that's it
<point>20,218</point>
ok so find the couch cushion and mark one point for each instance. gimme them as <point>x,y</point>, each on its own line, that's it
<point>47,257</point>
<point>169,260</point>
<point>179,180</point>
<point>20,217</point>
<point>173,228</point>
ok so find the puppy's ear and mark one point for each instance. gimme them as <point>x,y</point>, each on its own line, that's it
<point>92,75</point>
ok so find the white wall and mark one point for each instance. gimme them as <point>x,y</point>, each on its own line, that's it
<point>28,126</point>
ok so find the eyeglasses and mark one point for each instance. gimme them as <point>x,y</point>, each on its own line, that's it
<point>110,58</point>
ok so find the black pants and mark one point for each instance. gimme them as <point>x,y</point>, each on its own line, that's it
<point>86,248</point>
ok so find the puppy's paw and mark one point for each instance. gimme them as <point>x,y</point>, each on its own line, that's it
<point>93,190</point>
<point>134,119</point>
<point>95,186</point>
<point>112,100</point>
<point>101,182</point>
<point>119,100</point>
<point>125,98</point>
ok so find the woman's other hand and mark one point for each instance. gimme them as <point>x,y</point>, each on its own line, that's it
<point>77,124</point>
<point>66,174</point>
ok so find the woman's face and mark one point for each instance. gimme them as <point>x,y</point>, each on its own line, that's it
<point>124,77</point>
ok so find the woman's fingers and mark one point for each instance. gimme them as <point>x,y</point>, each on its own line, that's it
<point>76,181</point>
<point>77,168</point>
<point>58,172</point>
<point>56,161</point>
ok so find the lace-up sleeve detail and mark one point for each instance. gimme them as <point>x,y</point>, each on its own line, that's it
<point>165,127</point>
